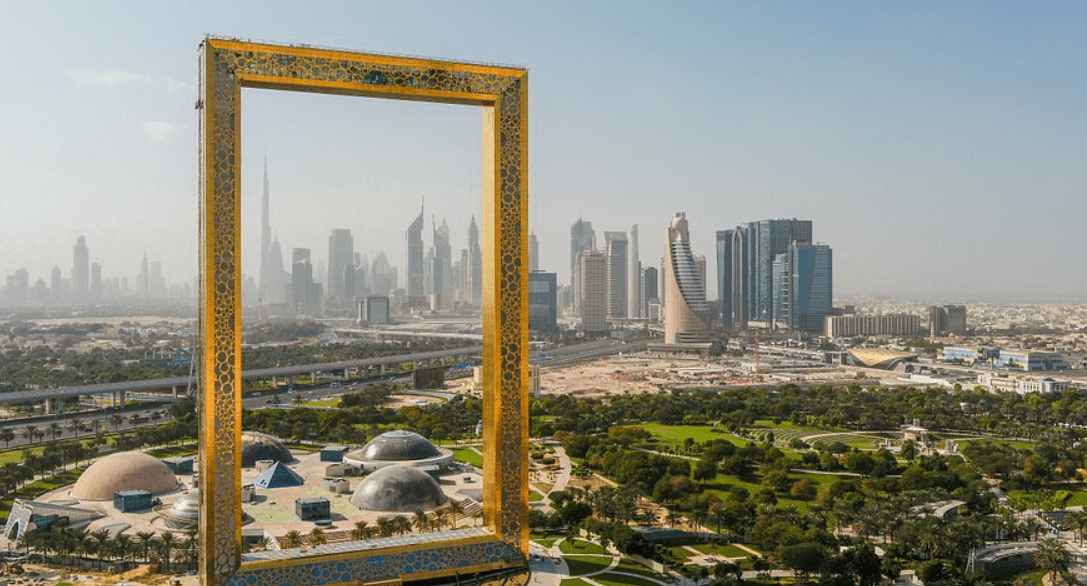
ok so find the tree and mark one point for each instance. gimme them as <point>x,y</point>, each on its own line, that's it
<point>146,538</point>
<point>361,531</point>
<point>1052,558</point>
<point>293,539</point>
<point>804,558</point>
<point>317,537</point>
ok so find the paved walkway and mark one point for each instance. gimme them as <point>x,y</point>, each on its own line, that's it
<point>549,567</point>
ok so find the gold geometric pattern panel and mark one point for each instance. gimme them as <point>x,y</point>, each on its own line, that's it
<point>229,65</point>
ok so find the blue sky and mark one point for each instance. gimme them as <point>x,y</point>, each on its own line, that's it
<point>939,148</point>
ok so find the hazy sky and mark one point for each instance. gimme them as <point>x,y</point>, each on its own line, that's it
<point>939,148</point>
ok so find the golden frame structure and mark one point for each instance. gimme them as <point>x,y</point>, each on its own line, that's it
<point>227,66</point>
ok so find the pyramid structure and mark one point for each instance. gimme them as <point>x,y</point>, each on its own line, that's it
<point>278,476</point>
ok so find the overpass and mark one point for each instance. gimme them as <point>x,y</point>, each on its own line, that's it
<point>121,389</point>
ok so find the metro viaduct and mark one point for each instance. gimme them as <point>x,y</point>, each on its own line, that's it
<point>120,390</point>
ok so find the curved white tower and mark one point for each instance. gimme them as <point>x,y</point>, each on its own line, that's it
<point>685,305</point>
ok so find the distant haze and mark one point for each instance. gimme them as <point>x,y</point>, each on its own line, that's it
<point>940,149</point>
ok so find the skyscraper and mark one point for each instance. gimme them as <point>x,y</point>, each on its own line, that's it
<point>811,291</point>
<point>685,305</point>
<point>542,302</point>
<point>618,258</point>
<point>649,288</point>
<point>475,265</point>
<point>81,271</point>
<point>634,282</point>
<point>724,275</point>
<point>593,290</point>
<point>268,281</point>
<point>745,265</point>
<point>305,294</point>
<point>96,281</point>
<point>143,280</point>
<point>441,269</point>
<point>416,270</point>
<point>533,253</point>
<point>582,238</point>
<point>341,254</point>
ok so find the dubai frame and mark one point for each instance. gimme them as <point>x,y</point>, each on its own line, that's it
<point>227,66</point>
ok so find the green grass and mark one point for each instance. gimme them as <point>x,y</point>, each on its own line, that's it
<point>574,582</point>
<point>635,568</point>
<point>676,434</point>
<point>173,451</point>
<point>37,488</point>
<point>534,496</point>
<point>468,456</point>
<point>724,482</point>
<point>612,579</point>
<point>321,403</point>
<point>769,423</point>
<point>681,553</point>
<point>725,549</point>
<point>1077,498</point>
<point>581,565</point>
<point>545,542</point>
<point>580,546</point>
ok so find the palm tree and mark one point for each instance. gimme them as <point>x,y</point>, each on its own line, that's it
<point>29,432</point>
<point>54,429</point>
<point>146,538</point>
<point>1053,558</point>
<point>124,546</point>
<point>73,426</point>
<point>317,537</point>
<point>456,509</point>
<point>385,527</point>
<point>421,521</point>
<point>168,541</point>
<point>7,435</point>
<point>361,531</point>
<point>292,540</point>
<point>115,420</point>
<point>401,525</point>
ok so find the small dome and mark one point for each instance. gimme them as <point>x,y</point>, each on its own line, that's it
<point>187,507</point>
<point>398,488</point>
<point>124,471</point>
<point>261,446</point>
<point>398,446</point>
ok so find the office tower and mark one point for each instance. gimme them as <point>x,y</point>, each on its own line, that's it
<point>724,276</point>
<point>373,310</point>
<point>542,302</point>
<point>649,289</point>
<point>416,270</point>
<point>143,280</point>
<point>685,305</point>
<point>441,269</point>
<point>305,295</point>
<point>18,290</point>
<point>533,253</point>
<point>582,238</point>
<point>268,272</point>
<point>634,272</point>
<point>156,282</point>
<point>593,290</point>
<point>618,256</point>
<point>383,276</point>
<point>81,271</point>
<point>475,262</point>
<point>96,281</point>
<point>809,289</point>
<point>56,285</point>
<point>274,282</point>
<point>773,237</point>
<point>341,254</point>
<point>947,319</point>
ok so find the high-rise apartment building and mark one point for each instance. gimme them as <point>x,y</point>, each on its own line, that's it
<point>593,290</point>
<point>440,269</point>
<point>618,257</point>
<point>634,272</point>
<point>650,292</point>
<point>341,255</point>
<point>685,305</point>
<point>416,271</point>
<point>946,319</point>
<point>81,271</point>
<point>582,238</point>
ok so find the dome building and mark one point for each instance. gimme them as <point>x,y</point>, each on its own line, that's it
<point>400,447</point>
<point>398,488</point>
<point>184,514</point>
<point>124,471</point>
<point>261,446</point>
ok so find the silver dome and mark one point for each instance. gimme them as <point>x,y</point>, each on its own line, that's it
<point>398,446</point>
<point>398,488</point>
<point>261,446</point>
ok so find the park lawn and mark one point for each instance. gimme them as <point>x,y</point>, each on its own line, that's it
<point>586,564</point>
<point>37,488</point>
<point>174,451</point>
<point>681,553</point>
<point>572,546</point>
<point>724,482</point>
<point>16,455</point>
<point>545,542</point>
<point>677,434</point>
<point>1077,498</point>
<point>574,582</point>
<point>321,403</point>
<point>534,496</point>
<point>613,579</point>
<point>468,456</point>
<point>726,549</point>
<point>1019,445</point>
<point>769,423</point>
<point>635,568</point>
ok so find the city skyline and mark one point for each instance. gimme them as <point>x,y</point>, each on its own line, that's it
<point>939,148</point>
